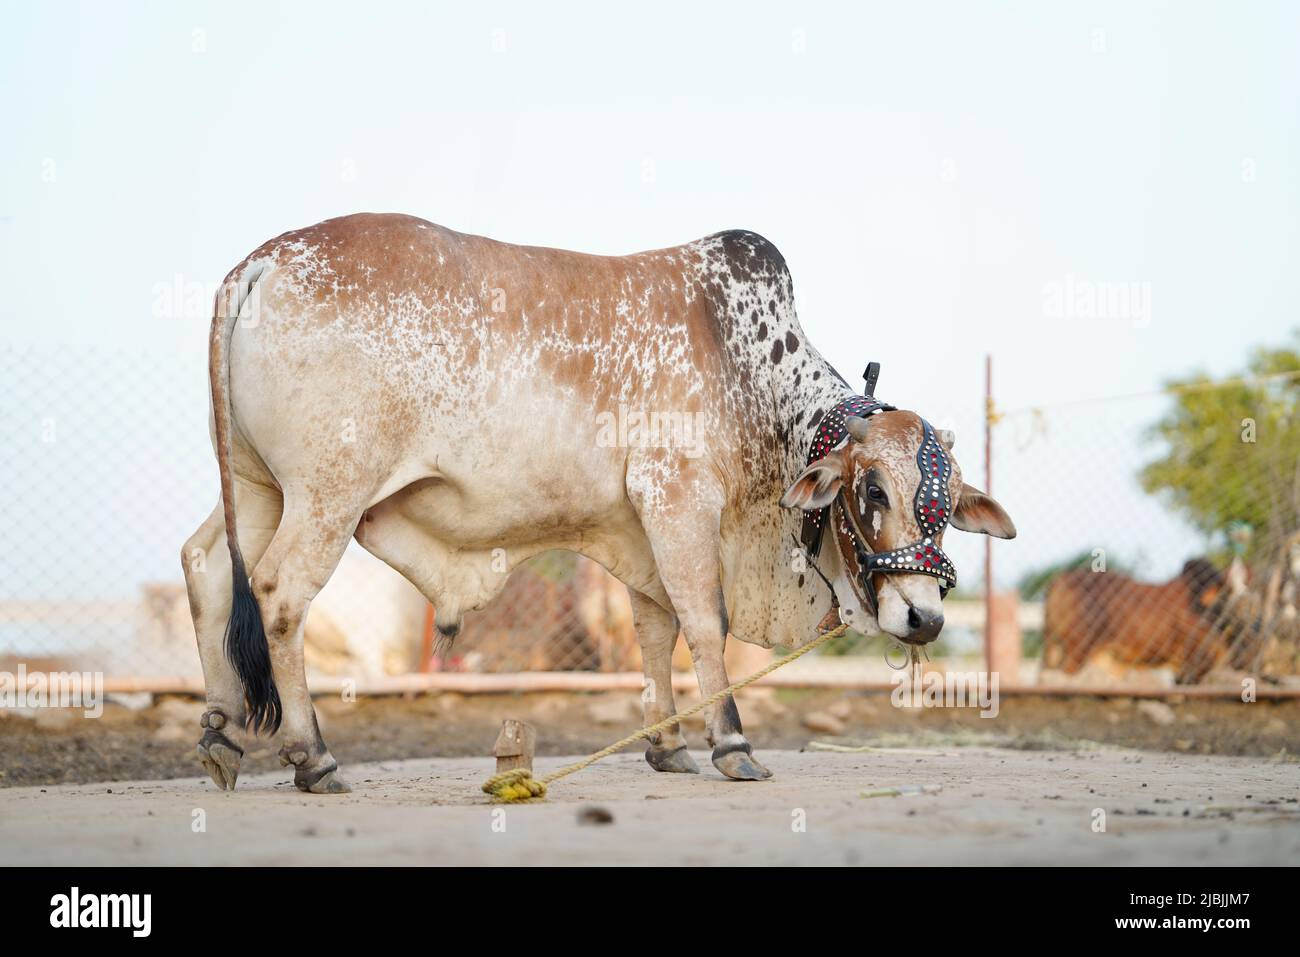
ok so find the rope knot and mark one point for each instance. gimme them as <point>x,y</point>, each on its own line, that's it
<point>512,787</point>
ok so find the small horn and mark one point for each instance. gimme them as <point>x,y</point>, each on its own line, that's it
<point>858,427</point>
<point>947,438</point>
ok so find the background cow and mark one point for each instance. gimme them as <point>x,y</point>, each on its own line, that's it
<point>1178,624</point>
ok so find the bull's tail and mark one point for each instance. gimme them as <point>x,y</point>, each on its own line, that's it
<point>246,646</point>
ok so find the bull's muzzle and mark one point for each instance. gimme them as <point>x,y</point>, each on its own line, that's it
<point>923,627</point>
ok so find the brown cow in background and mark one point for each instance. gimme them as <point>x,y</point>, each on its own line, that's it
<point>1175,624</point>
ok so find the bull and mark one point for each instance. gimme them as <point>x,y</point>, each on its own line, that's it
<point>444,400</point>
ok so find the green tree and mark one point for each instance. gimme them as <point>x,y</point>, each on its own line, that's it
<point>1232,450</point>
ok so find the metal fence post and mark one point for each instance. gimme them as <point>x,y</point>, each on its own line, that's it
<point>988,488</point>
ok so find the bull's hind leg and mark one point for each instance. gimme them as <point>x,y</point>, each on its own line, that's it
<point>656,631</point>
<point>206,562</point>
<point>303,554</point>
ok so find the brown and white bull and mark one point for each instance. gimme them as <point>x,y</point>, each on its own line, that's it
<point>447,400</point>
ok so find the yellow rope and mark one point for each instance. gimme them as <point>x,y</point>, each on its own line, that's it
<point>520,785</point>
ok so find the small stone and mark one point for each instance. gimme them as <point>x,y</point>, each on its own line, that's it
<point>56,718</point>
<point>449,700</point>
<point>775,710</point>
<point>1157,712</point>
<point>823,723</point>
<point>613,709</point>
<point>594,815</point>
<point>174,709</point>
<point>172,732</point>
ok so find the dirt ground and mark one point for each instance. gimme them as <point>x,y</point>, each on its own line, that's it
<point>157,741</point>
<point>1216,782</point>
<point>995,806</point>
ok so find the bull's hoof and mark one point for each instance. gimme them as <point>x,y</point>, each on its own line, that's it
<point>739,764</point>
<point>319,775</point>
<point>326,781</point>
<point>220,757</point>
<point>676,760</point>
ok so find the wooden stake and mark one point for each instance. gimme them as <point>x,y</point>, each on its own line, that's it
<point>515,744</point>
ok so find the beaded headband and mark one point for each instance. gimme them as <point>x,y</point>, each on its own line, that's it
<point>931,505</point>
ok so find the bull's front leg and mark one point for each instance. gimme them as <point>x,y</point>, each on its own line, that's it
<point>683,529</point>
<point>704,623</point>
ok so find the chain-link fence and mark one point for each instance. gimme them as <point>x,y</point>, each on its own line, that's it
<point>1159,536</point>
<point>107,468</point>
<point>1145,556</point>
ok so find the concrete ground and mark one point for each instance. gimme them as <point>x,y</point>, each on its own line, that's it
<point>996,807</point>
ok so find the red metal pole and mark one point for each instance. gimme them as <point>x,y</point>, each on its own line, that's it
<point>426,645</point>
<point>988,488</point>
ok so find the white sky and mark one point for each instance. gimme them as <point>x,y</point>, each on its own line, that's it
<point>926,169</point>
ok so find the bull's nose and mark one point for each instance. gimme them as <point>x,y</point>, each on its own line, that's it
<point>924,627</point>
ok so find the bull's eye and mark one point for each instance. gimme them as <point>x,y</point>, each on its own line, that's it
<point>877,494</point>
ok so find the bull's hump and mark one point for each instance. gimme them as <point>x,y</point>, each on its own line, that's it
<point>749,252</point>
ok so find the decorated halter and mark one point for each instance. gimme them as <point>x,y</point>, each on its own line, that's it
<point>932,504</point>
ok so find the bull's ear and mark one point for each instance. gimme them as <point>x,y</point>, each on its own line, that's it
<point>817,486</point>
<point>977,512</point>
